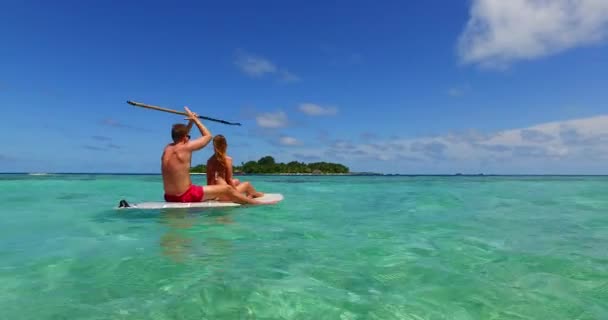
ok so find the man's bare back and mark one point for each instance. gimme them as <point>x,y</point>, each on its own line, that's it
<point>176,162</point>
<point>176,158</point>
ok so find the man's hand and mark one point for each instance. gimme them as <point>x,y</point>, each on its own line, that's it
<point>191,115</point>
<point>201,142</point>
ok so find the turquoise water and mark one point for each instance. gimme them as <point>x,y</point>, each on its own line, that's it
<point>335,248</point>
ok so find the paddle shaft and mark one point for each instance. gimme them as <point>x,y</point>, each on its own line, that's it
<point>143,105</point>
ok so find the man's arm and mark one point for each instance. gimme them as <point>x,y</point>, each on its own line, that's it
<point>205,138</point>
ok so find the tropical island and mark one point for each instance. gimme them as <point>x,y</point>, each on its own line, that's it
<point>267,165</point>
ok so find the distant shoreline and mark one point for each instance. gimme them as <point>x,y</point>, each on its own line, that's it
<point>46,174</point>
<point>298,174</point>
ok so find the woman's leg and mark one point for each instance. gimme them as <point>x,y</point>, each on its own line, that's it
<point>221,182</point>
<point>247,188</point>
<point>226,191</point>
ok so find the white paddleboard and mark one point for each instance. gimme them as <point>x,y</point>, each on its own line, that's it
<point>268,198</point>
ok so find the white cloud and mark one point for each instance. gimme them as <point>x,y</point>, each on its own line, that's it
<point>272,120</point>
<point>455,92</point>
<point>502,31</point>
<point>312,109</point>
<point>254,66</point>
<point>257,67</point>
<point>287,77</point>
<point>289,141</point>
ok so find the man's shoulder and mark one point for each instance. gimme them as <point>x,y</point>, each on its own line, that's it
<point>178,149</point>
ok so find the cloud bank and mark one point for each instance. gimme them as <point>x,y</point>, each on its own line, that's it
<point>574,143</point>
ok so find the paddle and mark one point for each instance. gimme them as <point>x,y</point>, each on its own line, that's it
<point>143,105</point>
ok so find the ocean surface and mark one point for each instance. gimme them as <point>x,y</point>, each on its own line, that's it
<point>335,248</point>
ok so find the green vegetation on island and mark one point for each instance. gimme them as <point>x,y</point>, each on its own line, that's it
<point>267,165</point>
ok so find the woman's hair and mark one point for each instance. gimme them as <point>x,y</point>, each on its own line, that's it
<point>220,146</point>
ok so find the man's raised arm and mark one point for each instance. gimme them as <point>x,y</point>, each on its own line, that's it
<point>205,138</point>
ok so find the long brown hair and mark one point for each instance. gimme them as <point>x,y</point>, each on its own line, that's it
<point>219,146</point>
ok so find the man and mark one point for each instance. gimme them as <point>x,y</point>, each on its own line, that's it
<point>176,162</point>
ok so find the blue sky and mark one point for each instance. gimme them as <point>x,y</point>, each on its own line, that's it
<point>395,87</point>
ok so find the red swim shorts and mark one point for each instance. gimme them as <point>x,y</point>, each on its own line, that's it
<point>193,194</point>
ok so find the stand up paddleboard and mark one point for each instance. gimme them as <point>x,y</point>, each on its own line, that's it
<point>268,198</point>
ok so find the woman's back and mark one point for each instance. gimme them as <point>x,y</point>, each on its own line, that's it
<point>216,169</point>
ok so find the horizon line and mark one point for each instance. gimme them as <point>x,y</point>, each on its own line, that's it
<point>328,174</point>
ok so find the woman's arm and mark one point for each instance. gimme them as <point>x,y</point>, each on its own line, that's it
<point>229,171</point>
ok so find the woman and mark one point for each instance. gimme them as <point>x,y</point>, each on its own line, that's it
<point>219,170</point>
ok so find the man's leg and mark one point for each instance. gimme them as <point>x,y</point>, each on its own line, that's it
<point>226,191</point>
